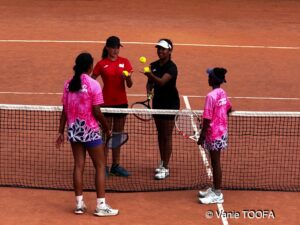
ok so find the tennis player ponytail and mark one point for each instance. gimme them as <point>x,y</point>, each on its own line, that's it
<point>104,53</point>
<point>83,63</point>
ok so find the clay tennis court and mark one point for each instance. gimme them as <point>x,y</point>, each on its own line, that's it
<point>258,42</point>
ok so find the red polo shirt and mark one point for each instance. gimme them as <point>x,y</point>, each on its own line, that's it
<point>114,91</point>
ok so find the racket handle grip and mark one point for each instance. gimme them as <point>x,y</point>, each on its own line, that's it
<point>150,95</point>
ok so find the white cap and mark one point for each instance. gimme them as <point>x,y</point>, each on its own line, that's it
<point>163,44</point>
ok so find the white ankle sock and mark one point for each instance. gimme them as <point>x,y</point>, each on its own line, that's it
<point>79,199</point>
<point>101,203</point>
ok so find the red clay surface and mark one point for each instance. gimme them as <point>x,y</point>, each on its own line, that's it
<point>258,72</point>
<point>160,208</point>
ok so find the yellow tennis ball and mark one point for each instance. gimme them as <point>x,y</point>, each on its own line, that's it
<point>146,69</point>
<point>143,59</point>
<point>125,73</point>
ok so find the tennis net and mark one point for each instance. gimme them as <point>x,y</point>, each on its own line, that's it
<point>263,153</point>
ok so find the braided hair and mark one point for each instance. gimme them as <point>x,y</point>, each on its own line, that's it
<point>83,63</point>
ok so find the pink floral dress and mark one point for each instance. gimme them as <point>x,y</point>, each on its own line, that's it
<point>216,106</point>
<point>82,125</point>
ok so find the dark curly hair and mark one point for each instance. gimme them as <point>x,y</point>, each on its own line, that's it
<point>219,75</point>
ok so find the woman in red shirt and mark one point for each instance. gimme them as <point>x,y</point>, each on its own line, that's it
<point>111,68</point>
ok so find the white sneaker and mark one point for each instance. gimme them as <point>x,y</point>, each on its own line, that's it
<point>162,174</point>
<point>212,198</point>
<point>80,208</point>
<point>159,168</point>
<point>203,194</point>
<point>106,211</point>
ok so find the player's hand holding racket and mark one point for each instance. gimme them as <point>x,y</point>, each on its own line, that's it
<point>146,115</point>
<point>201,140</point>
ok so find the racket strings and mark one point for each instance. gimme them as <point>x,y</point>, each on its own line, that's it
<point>188,124</point>
<point>145,116</point>
<point>139,106</point>
<point>117,139</point>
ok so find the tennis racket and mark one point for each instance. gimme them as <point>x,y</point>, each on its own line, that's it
<point>188,124</point>
<point>117,139</point>
<point>145,116</point>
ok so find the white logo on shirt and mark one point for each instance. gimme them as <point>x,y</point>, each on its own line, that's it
<point>222,101</point>
<point>105,66</point>
<point>121,65</point>
<point>84,88</point>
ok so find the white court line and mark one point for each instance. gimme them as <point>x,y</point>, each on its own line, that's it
<point>29,93</point>
<point>202,151</point>
<point>52,93</point>
<point>224,218</point>
<point>142,95</point>
<point>208,169</point>
<point>249,97</point>
<point>153,43</point>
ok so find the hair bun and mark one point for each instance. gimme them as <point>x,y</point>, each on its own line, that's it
<point>220,74</point>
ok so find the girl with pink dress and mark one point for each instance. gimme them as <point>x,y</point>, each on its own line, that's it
<point>81,101</point>
<point>214,133</point>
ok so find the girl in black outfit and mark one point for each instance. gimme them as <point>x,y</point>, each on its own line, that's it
<point>162,78</point>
